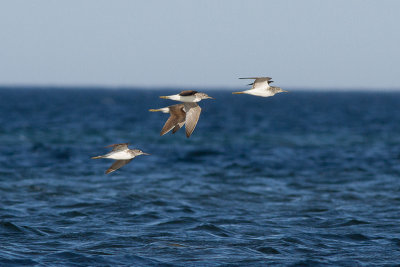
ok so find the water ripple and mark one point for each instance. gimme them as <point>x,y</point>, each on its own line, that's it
<point>319,186</point>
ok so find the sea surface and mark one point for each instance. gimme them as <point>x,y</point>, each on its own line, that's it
<point>302,178</point>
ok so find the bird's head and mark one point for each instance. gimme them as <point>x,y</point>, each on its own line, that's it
<point>279,90</point>
<point>204,96</point>
<point>140,152</point>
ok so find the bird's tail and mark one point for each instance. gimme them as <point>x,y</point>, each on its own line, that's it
<point>237,93</point>
<point>163,110</point>
<point>98,157</point>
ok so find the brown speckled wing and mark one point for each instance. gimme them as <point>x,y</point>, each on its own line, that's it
<point>119,147</point>
<point>177,127</point>
<point>177,116</point>
<point>117,164</point>
<point>192,117</point>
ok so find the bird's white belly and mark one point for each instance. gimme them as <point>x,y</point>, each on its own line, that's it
<point>121,155</point>
<point>263,93</point>
<point>189,98</point>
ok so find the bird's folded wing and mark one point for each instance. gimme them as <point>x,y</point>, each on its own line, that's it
<point>192,117</point>
<point>119,147</point>
<point>187,93</point>
<point>117,164</point>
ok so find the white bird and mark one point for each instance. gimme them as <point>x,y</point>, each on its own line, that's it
<point>261,87</point>
<point>188,96</point>
<point>122,154</point>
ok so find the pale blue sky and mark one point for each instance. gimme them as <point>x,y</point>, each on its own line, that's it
<point>210,43</point>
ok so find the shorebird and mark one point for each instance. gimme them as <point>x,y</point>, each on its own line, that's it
<point>187,114</point>
<point>188,96</point>
<point>261,87</point>
<point>192,110</point>
<point>122,154</point>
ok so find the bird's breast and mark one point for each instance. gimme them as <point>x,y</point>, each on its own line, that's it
<point>120,155</point>
<point>189,98</point>
<point>263,93</point>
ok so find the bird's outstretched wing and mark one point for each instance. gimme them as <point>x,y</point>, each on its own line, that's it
<point>192,117</point>
<point>119,147</point>
<point>117,164</point>
<point>260,82</point>
<point>187,93</point>
<point>177,116</point>
<point>269,82</point>
<point>177,127</point>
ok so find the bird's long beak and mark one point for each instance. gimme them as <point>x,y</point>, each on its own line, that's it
<point>285,91</point>
<point>211,97</point>
<point>147,154</point>
<point>154,110</point>
<point>165,97</point>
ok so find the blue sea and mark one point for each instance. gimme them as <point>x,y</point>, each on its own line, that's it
<point>298,179</point>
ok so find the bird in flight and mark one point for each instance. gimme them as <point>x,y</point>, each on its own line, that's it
<point>261,87</point>
<point>188,96</point>
<point>187,113</point>
<point>121,154</point>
